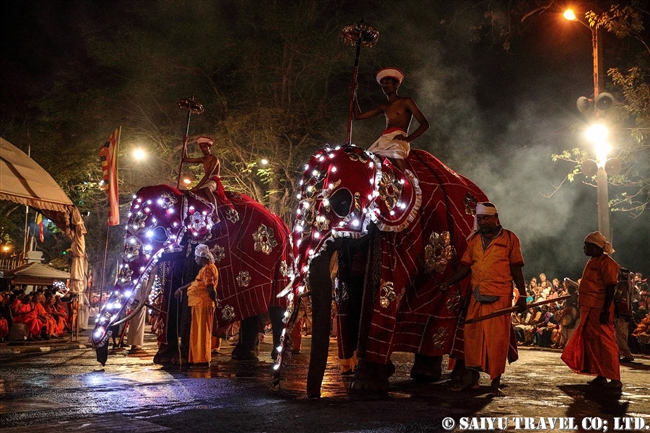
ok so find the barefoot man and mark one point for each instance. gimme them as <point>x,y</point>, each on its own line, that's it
<point>399,111</point>
<point>494,260</point>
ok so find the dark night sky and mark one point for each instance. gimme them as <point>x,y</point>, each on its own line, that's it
<point>496,117</point>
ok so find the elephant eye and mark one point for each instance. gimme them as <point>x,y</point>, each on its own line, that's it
<point>159,235</point>
<point>341,202</point>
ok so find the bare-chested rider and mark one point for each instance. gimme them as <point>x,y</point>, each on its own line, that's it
<point>399,112</point>
<point>211,166</point>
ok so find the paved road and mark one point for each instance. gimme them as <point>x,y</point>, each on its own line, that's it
<point>67,390</point>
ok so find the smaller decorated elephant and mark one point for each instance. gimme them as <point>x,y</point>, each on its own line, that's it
<point>397,235</point>
<point>252,252</point>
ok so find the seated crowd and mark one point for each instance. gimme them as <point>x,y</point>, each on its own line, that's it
<point>45,313</point>
<point>552,324</point>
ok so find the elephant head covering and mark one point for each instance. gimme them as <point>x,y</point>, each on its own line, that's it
<point>392,73</point>
<point>597,238</point>
<point>484,208</point>
<point>202,250</point>
<point>204,139</point>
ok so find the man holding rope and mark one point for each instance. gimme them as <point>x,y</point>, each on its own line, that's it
<point>399,112</point>
<point>493,258</point>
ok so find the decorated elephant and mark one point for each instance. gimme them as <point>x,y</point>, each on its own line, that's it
<point>397,235</point>
<point>252,252</point>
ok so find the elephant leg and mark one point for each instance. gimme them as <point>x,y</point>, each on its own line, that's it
<point>372,376</point>
<point>427,368</point>
<point>246,347</point>
<point>276,314</point>
<point>320,287</point>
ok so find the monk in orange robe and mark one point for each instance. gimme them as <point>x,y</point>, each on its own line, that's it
<point>45,317</point>
<point>493,259</point>
<point>201,297</point>
<point>24,311</point>
<point>592,348</point>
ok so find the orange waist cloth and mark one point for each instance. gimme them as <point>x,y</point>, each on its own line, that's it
<point>592,348</point>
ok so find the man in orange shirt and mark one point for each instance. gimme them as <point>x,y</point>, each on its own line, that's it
<point>201,296</point>
<point>592,348</point>
<point>493,258</point>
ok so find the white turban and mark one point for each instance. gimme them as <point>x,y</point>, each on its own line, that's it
<point>202,250</point>
<point>597,238</point>
<point>392,73</point>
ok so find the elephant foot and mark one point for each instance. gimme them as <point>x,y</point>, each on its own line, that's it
<point>372,376</point>
<point>243,354</point>
<point>166,355</point>
<point>427,368</point>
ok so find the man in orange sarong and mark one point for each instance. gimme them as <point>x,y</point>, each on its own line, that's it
<point>201,296</point>
<point>592,348</point>
<point>493,259</point>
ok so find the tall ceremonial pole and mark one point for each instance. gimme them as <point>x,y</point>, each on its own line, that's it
<point>192,107</point>
<point>356,35</point>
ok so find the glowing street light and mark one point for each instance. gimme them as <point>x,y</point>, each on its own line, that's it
<point>139,154</point>
<point>264,161</point>
<point>597,135</point>
<point>596,50</point>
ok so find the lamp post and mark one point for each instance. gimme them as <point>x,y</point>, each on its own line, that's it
<point>597,133</point>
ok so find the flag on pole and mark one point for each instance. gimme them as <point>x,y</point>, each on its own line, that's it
<point>39,221</point>
<point>108,156</point>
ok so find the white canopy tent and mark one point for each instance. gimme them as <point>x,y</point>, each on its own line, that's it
<point>25,182</point>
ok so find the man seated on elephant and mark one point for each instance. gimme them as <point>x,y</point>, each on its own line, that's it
<point>399,112</point>
<point>211,181</point>
<point>493,259</point>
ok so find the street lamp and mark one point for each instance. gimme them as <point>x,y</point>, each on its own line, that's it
<point>595,51</point>
<point>139,154</point>
<point>597,135</point>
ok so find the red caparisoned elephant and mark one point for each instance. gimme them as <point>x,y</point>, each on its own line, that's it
<point>397,235</point>
<point>252,252</point>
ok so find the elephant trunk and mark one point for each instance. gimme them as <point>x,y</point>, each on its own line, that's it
<point>320,287</point>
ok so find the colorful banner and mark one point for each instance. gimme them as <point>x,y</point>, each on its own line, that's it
<point>108,156</point>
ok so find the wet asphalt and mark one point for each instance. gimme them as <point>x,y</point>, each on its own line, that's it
<point>62,388</point>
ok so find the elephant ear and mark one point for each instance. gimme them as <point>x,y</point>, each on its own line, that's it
<point>399,199</point>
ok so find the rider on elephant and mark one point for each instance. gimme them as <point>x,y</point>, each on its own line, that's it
<point>210,184</point>
<point>399,111</point>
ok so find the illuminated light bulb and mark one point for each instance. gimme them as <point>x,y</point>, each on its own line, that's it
<point>137,206</point>
<point>298,212</point>
<point>148,247</point>
<point>129,215</point>
<point>355,223</point>
<point>310,188</point>
<point>171,248</point>
<point>331,155</point>
<point>279,348</point>
<point>369,196</point>
<point>301,182</point>
<point>135,227</point>
<point>326,202</point>
<point>284,331</point>
<point>299,242</point>
<point>402,181</point>
<point>147,210</point>
<point>371,164</point>
<point>333,169</point>
<point>128,256</point>
<point>99,332</point>
<point>341,224</point>
<point>316,235</point>
<point>337,147</point>
<point>402,205</point>
<point>128,293</point>
<point>102,319</point>
<point>160,202</point>
<point>392,212</point>
<point>321,158</point>
<point>305,268</point>
<point>204,212</point>
<point>276,366</point>
<point>175,224</point>
<point>306,167</point>
<point>191,207</point>
<point>299,196</point>
<point>139,200</point>
<point>311,253</point>
<point>170,210</point>
<point>148,201</point>
<point>134,196</point>
<point>149,233</point>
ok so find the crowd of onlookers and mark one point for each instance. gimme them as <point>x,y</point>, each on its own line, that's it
<point>553,323</point>
<point>41,314</point>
